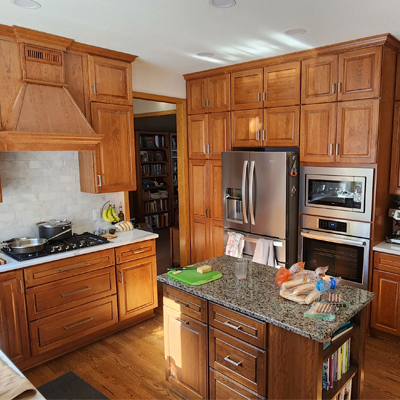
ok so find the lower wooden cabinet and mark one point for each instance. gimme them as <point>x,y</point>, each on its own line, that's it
<point>186,361</point>
<point>137,287</point>
<point>385,314</point>
<point>14,338</point>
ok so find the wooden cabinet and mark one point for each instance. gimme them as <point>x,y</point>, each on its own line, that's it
<point>246,128</point>
<point>186,355</point>
<point>352,75</point>
<point>110,80</point>
<point>209,94</point>
<point>281,127</point>
<point>395,164</point>
<point>205,179</point>
<point>208,135</point>
<point>112,167</point>
<point>14,337</point>
<point>247,89</point>
<point>137,288</point>
<point>385,313</point>
<point>282,85</point>
<point>348,135</point>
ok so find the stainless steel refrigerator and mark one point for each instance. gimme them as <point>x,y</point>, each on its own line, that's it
<point>261,200</point>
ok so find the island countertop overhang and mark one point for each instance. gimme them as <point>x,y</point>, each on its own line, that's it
<point>258,297</point>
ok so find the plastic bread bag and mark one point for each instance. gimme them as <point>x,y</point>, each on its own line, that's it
<point>302,293</point>
<point>323,311</point>
<point>282,276</point>
<point>296,267</point>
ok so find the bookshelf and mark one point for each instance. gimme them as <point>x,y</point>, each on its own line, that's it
<point>174,180</point>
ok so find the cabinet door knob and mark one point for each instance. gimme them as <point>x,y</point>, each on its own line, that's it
<point>263,134</point>
<point>257,135</point>
<point>339,87</point>
<point>208,149</point>
<point>258,96</point>
<point>208,102</point>
<point>263,96</point>
<point>204,103</point>
<point>94,88</point>
<point>99,176</point>
<point>337,149</point>
<point>20,285</point>
<point>331,149</point>
<point>333,87</point>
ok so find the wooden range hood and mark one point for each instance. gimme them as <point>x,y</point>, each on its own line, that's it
<point>44,116</point>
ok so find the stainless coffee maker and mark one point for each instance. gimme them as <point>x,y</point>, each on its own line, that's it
<point>395,236</point>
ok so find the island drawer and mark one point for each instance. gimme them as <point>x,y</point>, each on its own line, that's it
<point>238,360</point>
<point>67,267</point>
<point>135,251</point>
<point>238,325</point>
<point>222,387</point>
<point>65,327</point>
<point>185,303</point>
<point>50,298</point>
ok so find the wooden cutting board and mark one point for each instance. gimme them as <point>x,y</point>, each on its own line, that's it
<point>192,277</point>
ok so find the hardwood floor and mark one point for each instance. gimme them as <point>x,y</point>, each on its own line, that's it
<point>130,365</point>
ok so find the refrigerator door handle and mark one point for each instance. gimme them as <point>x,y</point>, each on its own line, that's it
<point>244,174</point>
<point>251,202</point>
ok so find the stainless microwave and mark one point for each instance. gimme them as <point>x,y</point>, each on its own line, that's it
<point>337,192</point>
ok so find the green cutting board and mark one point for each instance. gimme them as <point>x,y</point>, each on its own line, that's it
<point>192,277</point>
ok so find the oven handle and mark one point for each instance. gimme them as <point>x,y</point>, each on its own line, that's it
<point>334,240</point>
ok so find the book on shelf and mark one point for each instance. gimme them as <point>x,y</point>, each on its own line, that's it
<point>144,156</point>
<point>348,326</point>
<point>345,393</point>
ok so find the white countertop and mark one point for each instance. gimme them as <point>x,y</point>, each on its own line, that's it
<point>8,362</point>
<point>389,248</point>
<point>123,238</point>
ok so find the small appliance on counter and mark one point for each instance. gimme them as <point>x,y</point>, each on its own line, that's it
<point>395,236</point>
<point>73,242</point>
<point>55,229</point>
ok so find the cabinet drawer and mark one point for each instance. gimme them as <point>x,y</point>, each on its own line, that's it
<point>238,325</point>
<point>135,251</point>
<point>223,388</point>
<point>54,297</point>
<point>238,360</point>
<point>387,262</point>
<point>72,266</point>
<point>185,303</point>
<point>59,329</point>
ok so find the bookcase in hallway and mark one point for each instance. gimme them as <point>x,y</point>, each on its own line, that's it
<point>152,203</point>
<point>174,180</point>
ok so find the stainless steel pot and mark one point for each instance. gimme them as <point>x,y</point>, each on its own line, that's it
<point>25,245</point>
<point>55,229</point>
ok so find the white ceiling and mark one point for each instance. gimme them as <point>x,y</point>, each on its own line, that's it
<point>168,33</point>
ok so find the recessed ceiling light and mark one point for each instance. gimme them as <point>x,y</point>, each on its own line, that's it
<point>295,32</point>
<point>222,3</point>
<point>204,54</point>
<point>30,4</point>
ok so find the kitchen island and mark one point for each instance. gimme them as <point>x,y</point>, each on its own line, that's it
<point>253,342</point>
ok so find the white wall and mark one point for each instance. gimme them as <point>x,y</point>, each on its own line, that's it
<point>147,106</point>
<point>148,79</point>
<point>38,186</point>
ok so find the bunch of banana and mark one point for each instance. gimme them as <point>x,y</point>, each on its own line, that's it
<point>110,215</point>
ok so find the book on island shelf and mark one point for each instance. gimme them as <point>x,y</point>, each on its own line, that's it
<point>348,326</point>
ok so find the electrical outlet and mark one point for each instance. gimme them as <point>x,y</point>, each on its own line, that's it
<point>96,215</point>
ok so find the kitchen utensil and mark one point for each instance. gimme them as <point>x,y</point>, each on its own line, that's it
<point>25,245</point>
<point>192,266</point>
<point>55,229</point>
<point>241,269</point>
<point>193,278</point>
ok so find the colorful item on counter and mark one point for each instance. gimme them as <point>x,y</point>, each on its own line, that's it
<point>193,278</point>
<point>328,282</point>
<point>235,244</point>
<point>323,311</point>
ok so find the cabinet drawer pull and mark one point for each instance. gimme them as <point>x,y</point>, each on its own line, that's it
<point>182,304</point>
<point>181,321</point>
<point>75,267</point>
<point>228,359</point>
<point>227,323</point>
<point>333,87</point>
<point>138,251</point>
<point>78,291</point>
<point>79,323</point>
<point>122,277</point>
<point>20,286</point>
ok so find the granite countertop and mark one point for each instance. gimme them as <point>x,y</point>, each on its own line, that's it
<point>258,296</point>
<point>389,248</point>
<point>122,238</point>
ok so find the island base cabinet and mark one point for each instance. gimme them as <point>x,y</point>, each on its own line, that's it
<point>186,363</point>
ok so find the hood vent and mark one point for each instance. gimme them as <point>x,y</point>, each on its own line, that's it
<point>45,117</point>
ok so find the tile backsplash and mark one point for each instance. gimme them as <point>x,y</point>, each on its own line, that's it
<point>43,185</point>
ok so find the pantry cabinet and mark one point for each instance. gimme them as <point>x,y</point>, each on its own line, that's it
<point>385,315</point>
<point>208,135</point>
<point>209,94</point>
<point>395,162</point>
<point>247,89</point>
<point>206,222</point>
<point>14,337</point>
<point>110,81</point>
<point>246,128</point>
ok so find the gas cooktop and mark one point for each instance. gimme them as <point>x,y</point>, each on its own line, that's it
<point>75,242</point>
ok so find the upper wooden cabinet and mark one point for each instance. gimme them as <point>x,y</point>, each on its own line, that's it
<point>208,135</point>
<point>282,85</point>
<point>110,81</point>
<point>350,76</point>
<point>395,165</point>
<point>281,127</point>
<point>14,337</point>
<point>209,94</point>
<point>247,89</point>
<point>112,167</point>
<point>246,128</point>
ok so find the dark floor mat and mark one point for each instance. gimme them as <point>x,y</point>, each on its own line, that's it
<point>70,387</point>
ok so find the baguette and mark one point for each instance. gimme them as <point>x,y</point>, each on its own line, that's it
<point>287,294</point>
<point>293,283</point>
<point>303,288</point>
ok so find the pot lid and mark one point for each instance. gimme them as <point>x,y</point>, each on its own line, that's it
<point>54,223</point>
